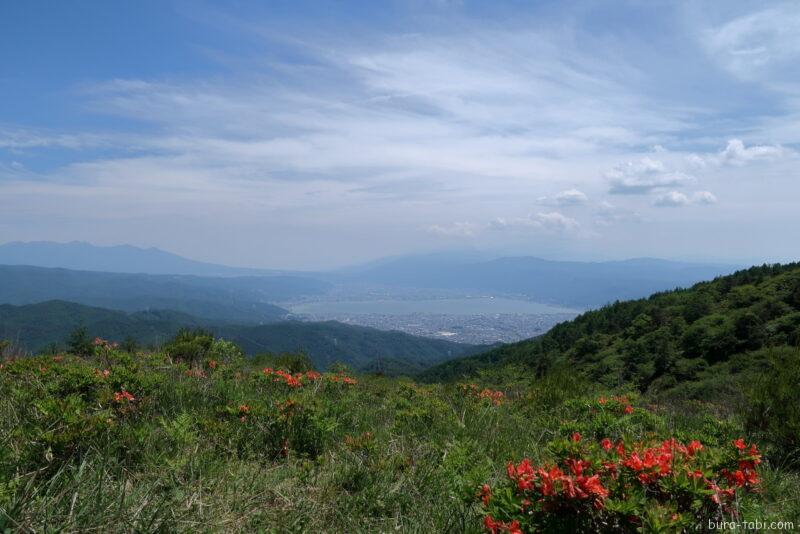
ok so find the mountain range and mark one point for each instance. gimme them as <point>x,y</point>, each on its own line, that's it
<point>82,256</point>
<point>567,283</point>
<point>243,299</point>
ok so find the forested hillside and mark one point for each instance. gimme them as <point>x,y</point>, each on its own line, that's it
<point>47,326</point>
<point>688,341</point>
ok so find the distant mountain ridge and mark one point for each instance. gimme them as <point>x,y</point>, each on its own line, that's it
<point>567,283</point>
<point>217,299</point>
<point>35,326</point>
<point>82,256</point>
<point>571,283</point>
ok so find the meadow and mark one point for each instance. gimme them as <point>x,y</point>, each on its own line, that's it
<point>113,441</point>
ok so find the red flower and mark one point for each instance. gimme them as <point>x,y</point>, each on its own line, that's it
<point>693,447</point>
<point>593,486</point>
<point>634,462</point>
<point>628,409</point>
<point>486,494</point>
<point>606,444</point>
<point>123,396</point>
<point>576,437</point>
<point>739,444</point>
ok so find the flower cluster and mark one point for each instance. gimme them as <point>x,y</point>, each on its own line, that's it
<point>195,373</point>
<point>343,379</point>
<point>495,397</point>
<point>607,483</point>
<point>744,476</point>
<point>619,403</point>
<point>293,381</point>
<point>105,344</point>
<point>123,396</point>
<point>282,376</point>
<point>496,527</point>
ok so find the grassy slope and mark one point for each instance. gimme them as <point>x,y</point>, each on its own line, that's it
<point>382,455</point>
<point>688,342</point>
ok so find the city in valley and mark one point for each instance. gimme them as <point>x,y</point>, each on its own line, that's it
<point>472,329</point>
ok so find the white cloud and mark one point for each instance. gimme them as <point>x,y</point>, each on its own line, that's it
<point>456,229</point>
<point>549,222</point>
<point>459,122</point>
<point>704,197</point>
<point>674,199</point>
<point>568,197</point>
<point>738,154</point>
<point>644,176</point>
<point>752,45</point>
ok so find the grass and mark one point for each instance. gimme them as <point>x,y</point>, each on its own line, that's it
<point>232,449</point>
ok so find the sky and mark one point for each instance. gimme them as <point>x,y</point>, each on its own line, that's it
<point>310,135</point>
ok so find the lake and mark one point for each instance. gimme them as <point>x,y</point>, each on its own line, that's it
<point>448,306</point>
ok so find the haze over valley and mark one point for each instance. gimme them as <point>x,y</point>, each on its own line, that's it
<point>451,296</point>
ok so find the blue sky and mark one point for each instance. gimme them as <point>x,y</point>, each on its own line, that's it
<point>317,134</point>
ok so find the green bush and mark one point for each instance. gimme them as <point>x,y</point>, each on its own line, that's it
<point>190,346</point>
<point>772,410</point>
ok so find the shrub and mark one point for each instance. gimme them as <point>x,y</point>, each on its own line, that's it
<point>190,346</point>
<point>621,487</point>
<point>772,409</point>
<point>79,342</point>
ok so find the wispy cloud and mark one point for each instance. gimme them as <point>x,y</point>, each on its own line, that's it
<point>399,131</point>
<point>760,43</point>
